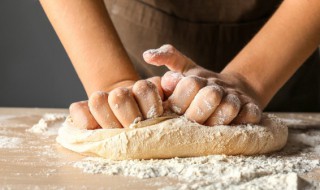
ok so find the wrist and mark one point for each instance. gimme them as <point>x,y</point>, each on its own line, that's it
<point>251,85</point>
<point>110,86</point>
<point>122,83</point>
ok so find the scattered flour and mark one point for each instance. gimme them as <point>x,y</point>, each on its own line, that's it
<point>135,121</point>
<point>208,104</point>
<point>275,171</point>
<point>291,121</point>
<point>152,112</point>
<point>4,117</point>
<point>48,124</point>
<point>176,109</point>
<point>152,53</point>
<point>9,142</point>
<point>310,139</point>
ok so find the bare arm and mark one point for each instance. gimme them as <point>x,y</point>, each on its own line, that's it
<point>256,73</point>
<point>89,37</point>
<point>280,48</point>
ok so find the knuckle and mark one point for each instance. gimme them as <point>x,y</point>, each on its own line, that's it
<point>211,96</point>
<point>73,106</point>
<point>97,95</point>
<point>119,95</point>
<point>192,81</point>
<point>155,80</point>
<point>171,77</point>
<point>76,106</point>
<point>213,90</point>
<point>233,100</point>
<point>165,78</point>
<point>143,86</point>
<point>250,113</point>
<point>96,98</point>
<point>168,73</point>
<point>254,110</point>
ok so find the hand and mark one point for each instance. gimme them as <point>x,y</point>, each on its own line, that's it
<point>125,104</point>
<point>201,95</point>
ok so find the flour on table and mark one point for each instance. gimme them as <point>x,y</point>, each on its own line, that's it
<point>275,171</point>
<point>292,121</point>
<point>9,142</point>
<point>311,139</point>
<point>48,124</point>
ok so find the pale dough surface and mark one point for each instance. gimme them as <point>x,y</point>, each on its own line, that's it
<point>175,137</point>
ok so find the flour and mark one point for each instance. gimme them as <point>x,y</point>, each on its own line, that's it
<point>152,112</point>
<point>292,121</point>
<point>10,142</point>
<point>176,109</point>
<point>48,124</point>
<point>156,52</point>
<point>4,117</point>
<point>135,121</point>
<point>275,171</point>
<point>310,139</point>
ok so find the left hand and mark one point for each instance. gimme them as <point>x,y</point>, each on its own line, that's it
<point>201,95</point>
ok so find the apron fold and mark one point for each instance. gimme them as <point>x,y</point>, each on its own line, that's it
<point>211,33</point>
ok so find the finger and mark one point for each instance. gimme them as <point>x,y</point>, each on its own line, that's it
<point>101,111</point>
<point>170,57</point>
<point>226,111</point>
<point>148,99</point>
<point>184,93</point>
<point>157,82</point>
<point>204,103</point>
<point>81,116</point>
<point>169,82</point>
<point>249,114</point>
<point>124,106</point>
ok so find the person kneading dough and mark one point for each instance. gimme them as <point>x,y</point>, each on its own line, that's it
<point>217,95</point>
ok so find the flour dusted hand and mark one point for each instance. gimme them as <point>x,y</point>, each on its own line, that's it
<point>120,107</point>
<point>201,95</point>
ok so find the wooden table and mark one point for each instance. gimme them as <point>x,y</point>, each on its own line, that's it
<point>40,163</point>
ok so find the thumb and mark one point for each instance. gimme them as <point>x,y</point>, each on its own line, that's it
<point>170,57</point>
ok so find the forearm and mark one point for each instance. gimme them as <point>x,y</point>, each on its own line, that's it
<point>279,49</point>
<point>88,36</point>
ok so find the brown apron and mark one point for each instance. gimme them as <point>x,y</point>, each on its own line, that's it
<point>210,32</point>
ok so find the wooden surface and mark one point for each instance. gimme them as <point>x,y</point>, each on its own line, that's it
<point>40,163</point>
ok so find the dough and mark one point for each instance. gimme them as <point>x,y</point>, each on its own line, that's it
<point>175,137</point>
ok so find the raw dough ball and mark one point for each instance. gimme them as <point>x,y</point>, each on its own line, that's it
<point>175,137</point>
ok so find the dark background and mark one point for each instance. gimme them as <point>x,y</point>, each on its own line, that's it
<point>35,70</point>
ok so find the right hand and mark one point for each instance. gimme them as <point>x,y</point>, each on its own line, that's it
<point>122,106</point>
